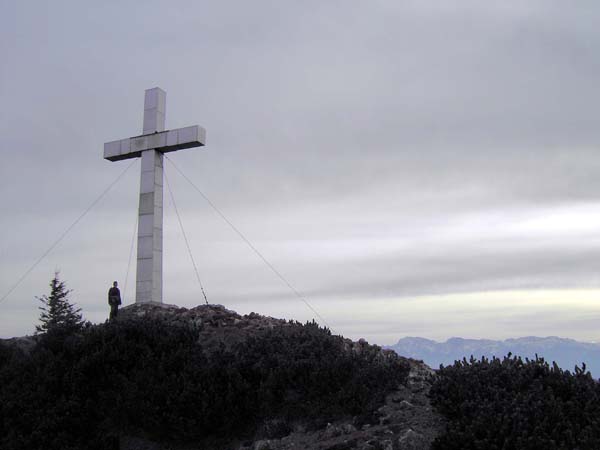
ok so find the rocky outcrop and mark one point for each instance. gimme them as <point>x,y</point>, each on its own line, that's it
<point>406,421</point>
<point>214,324</point>
<point>217,324</point>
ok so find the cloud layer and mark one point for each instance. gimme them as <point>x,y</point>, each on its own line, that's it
<point>385,152</point>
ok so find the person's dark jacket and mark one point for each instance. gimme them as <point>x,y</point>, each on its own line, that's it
<point>114,296</point>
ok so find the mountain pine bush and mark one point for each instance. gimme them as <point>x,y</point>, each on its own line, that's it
<point>146,377</point>
<point>514,404</point>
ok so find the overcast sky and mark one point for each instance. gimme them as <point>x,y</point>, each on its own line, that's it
<point>414,168</point>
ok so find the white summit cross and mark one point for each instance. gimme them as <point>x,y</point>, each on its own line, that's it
<point>151,145</point>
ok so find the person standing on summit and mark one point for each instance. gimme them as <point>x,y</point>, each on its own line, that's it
<point>114,300</point>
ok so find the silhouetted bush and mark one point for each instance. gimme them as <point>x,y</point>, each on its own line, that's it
<point>515,404</point>
<point>151,379</point>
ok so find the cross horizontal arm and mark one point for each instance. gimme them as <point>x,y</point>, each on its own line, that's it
<point>165,141</point>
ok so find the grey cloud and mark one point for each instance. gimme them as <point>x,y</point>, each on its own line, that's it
<point>325,120</point>
<point>461,270</point>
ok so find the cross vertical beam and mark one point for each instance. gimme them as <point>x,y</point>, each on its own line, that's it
<point>150,212</point>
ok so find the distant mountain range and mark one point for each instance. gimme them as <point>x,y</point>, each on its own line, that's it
<point>566,352</point>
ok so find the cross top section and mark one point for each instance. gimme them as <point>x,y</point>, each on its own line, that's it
<point>155,108</point>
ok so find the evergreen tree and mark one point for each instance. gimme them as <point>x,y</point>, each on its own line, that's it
<point>57,313</point>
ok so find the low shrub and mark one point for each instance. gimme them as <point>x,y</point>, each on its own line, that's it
<point>515,404</point>
<point>149,378</point>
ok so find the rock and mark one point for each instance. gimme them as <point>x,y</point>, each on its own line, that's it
<point>348,428</point>
<point>344,445</point>
<point>264,444</point>
<point>387,445</point>
<point>367,447</point>
<point>385,420</point>
<point>411,440</point>
<point>331,431</point>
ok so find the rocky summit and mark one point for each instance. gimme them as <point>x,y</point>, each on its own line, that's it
<point>404,421</point>
<point>163,377</point>
<point>215,323</point>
